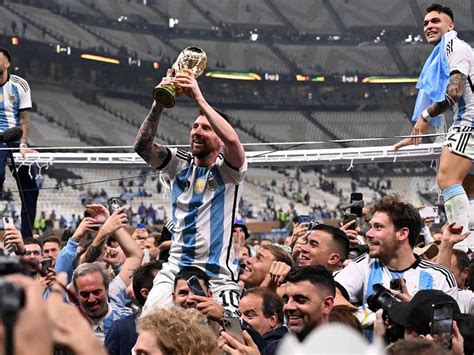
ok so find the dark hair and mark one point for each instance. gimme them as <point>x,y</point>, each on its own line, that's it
<point>30,241</point>
<point>416,346</point>
<point>156,238</point>
<point>143,277</point>
<point>346,315</point>
<point>272,303</point>
<point>220,112</point>
<point>462,260</point>
<point>279,254</point>
<point>470,279</point>
<point>52,239</point>
<point>318,275</point>
<point>339,239</point>
<point>402,215</point>
<point>6,53</point>
<point>466,325</point>
<point>442,9</point>
<point>189,271</point>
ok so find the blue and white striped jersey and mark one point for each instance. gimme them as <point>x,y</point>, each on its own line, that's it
<point>15,96</point>
<point>359,277</point>
<point>117,308</point>
<point>204,203</point>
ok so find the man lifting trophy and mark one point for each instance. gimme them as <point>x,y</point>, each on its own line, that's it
<point>206,188</point>
<point>192,58</point>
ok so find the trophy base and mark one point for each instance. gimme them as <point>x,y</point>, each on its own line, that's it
<point>164,96</point>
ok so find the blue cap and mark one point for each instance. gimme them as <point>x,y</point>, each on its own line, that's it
<point>141,225</point>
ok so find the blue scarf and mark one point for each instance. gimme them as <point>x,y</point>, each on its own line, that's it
<point>433,80</point>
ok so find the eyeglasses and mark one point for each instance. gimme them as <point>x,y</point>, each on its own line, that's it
<point>32,252</point>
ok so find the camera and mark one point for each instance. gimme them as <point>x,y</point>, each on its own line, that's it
<point>12,296</point>
<point>13,265</point>
<point>382,298</point>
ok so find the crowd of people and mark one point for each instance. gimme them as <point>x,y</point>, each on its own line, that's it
<point>204,285</point>
<point>103,276</point>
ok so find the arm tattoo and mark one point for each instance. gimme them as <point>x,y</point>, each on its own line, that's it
<point>93,253</point>
<point>454,92</point>
<point>25,125</point>
<point>455,88</point>
<point>144,142</point>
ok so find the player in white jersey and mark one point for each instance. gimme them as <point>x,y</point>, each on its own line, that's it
<point>458,147</point>
<point>394,229</point>
<point>15,101</point>
<point>205,191</point>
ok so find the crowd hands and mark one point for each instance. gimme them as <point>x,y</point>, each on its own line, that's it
<point>100,280</point>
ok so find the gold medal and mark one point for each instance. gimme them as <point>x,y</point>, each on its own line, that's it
<point>1,97</point>
<point>12,99</point>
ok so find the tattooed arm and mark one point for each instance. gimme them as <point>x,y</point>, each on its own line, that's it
<point>454,92</point>
<point>152,152</point>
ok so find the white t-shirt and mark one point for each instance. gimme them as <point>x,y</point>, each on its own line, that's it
<point>465,301</point>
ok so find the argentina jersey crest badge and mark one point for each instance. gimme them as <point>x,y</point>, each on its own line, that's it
<point>199,186</point>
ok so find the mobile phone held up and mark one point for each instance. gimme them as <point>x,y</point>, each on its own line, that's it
<point>46,264</point>
<point>195,286</point>
<point>233,326</point>
<point>114,204</point>
<point>442,323</point>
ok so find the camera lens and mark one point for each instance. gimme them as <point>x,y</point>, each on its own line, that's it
<point>381,298</point>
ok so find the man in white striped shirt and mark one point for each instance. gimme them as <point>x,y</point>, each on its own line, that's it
<point>15,101</point>
<point>205,193</point>
<point>394,229</point>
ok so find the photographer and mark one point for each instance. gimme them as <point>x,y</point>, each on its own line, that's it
<point>417,318</point>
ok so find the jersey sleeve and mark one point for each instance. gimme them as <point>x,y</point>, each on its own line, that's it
<point>460,57</point>
<point>447,282</point>
<point>117,293</point>
<point>25,96</point>
<point>232,174</point>
<point>177,161</point>
<point>351,278</point>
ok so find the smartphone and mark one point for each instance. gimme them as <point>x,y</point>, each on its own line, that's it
<point>395,284</point>
<point>304,218</point>
<point>430,212</point>
<point>94,227</point>
<point>8,223</point>
<point>350,217</point>
<point>442,323</point>
<point>233,326</point>
<point>195,286</point>
<point>356,196</point>
<point>114,204</point>
<point>46,264</point>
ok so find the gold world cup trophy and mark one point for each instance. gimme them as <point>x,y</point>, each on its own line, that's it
<point>192,58</point>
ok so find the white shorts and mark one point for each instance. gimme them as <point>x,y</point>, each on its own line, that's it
<point>161,295</point>
<point>460,141</point>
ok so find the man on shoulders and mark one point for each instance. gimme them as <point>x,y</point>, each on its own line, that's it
<point>205,193</point>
